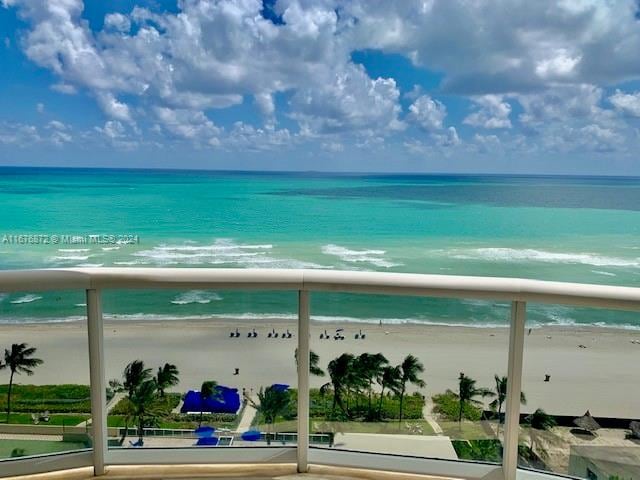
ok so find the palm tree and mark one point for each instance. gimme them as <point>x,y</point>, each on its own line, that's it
<point>369,367</point>
<point>539,420</point>
<point>501,395</point>
<point>314,360</point>
<point>134,375</point>
<point>142,403</point>
<point>410,368</point>
<point>166,377</point>
<point>390,378</point>
<point>467,393</point>
<point>209,389</point>
<point>339,372</point>
<point>272,402</point>
<point>18,360</point>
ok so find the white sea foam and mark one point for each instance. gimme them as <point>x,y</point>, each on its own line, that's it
<point>90,265</point>
<point>30,297</point>
<point>221,252</point>
<point>557,321</point>
<point>74,250</point>
<point>196,296</point>
<point>3,296</point>
<point>372,257</point>
<point>80,305</point>
<point>71,257</point>
<point>602,272</point>
<point>500,254</point>
<point>133,262</point>
<point>108,249</point>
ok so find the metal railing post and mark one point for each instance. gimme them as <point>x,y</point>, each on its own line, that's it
<point>514,387</point>
<point>303,381</point>
<point>97,380</point>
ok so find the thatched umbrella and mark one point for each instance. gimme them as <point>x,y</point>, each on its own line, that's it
<point>587,422</point>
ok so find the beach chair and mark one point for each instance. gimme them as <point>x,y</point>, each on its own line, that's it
<point>139,443</point>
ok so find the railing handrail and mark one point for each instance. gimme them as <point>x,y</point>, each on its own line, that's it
<point>389,283</point>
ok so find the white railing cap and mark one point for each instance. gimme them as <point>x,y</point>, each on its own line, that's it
<point>449,286</point>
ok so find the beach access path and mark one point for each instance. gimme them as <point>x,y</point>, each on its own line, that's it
<point>248,414</point>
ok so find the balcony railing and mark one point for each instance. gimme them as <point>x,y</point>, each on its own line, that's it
<point>96,280</point>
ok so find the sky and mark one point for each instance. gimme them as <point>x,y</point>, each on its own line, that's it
<point>502,86</point>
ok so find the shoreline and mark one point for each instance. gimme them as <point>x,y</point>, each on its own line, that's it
<point>595,377</point>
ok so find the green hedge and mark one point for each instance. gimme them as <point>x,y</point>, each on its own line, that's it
<point>447,405</point>
<point>66,398</point>
<point>162,404</point>
<point>321,406</point>
<point>478,450</point>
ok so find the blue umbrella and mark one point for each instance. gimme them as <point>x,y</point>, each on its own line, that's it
<point>279,387</point>
<point>207,442</point>
<point>204,432</point>
<point>251,436</point>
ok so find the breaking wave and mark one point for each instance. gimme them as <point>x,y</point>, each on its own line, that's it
<point>26,299</point>
<point>372,257</point>
<point>196,296</point>
<point>499,254</point>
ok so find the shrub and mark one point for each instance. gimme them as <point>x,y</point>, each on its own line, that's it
<point>447,405</point>
<point>66,398</point>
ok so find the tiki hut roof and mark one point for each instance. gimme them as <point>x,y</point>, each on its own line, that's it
<point>587,422</point>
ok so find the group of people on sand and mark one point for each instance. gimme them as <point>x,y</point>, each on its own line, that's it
<point>254,334</point>
<point>339,335</point>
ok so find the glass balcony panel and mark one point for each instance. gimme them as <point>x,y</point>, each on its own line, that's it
<point>582,392</point>
<point>438,340</point>
<point>43,336</point>
<point>221,366</point>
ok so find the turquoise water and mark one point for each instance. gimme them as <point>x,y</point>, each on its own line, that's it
<point>552,228</point>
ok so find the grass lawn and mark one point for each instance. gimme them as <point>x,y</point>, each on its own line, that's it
<point>67,398</point>
<point>408,427</point>
<point>465,431</point>
<point>35,447</point>
<point>189,423</point>
<point>54,419</point>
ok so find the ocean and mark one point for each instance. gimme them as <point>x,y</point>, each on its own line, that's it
<point>578,229</point>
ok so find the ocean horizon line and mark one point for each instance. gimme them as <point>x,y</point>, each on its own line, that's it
<point>320,173</point>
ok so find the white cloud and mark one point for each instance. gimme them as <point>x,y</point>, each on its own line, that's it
<point>493,112</point>
<point>188,124</point>
<point>427,113</point>
<point>628,103</point>
<point>113,108</point>
<point>348,100</point>
<point>117,21</point>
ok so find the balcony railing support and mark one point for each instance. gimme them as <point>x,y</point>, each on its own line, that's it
<point>514,387</point>
<point>303,380</point>
<point>97,379</point>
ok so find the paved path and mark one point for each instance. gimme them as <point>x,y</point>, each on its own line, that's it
<point>110,404</point>
<point>248,414</point>
<point>20,436</point>
<point>428,416</point>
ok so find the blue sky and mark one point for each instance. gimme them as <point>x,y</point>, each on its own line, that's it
<point>334,85</point>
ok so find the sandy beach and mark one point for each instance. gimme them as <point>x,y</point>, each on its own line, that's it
<point>603,377</point>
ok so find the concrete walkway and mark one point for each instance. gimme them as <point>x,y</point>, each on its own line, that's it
<point>110,404</point>
<point>428,416</point>
<point>248,414</point>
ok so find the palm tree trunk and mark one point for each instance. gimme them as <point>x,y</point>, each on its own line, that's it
<point>140,428</point>
<point>460,411</point>
<point>9,395</point>
<point>401,405</point>
<point>200,421</point>
<point>370,392</point>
